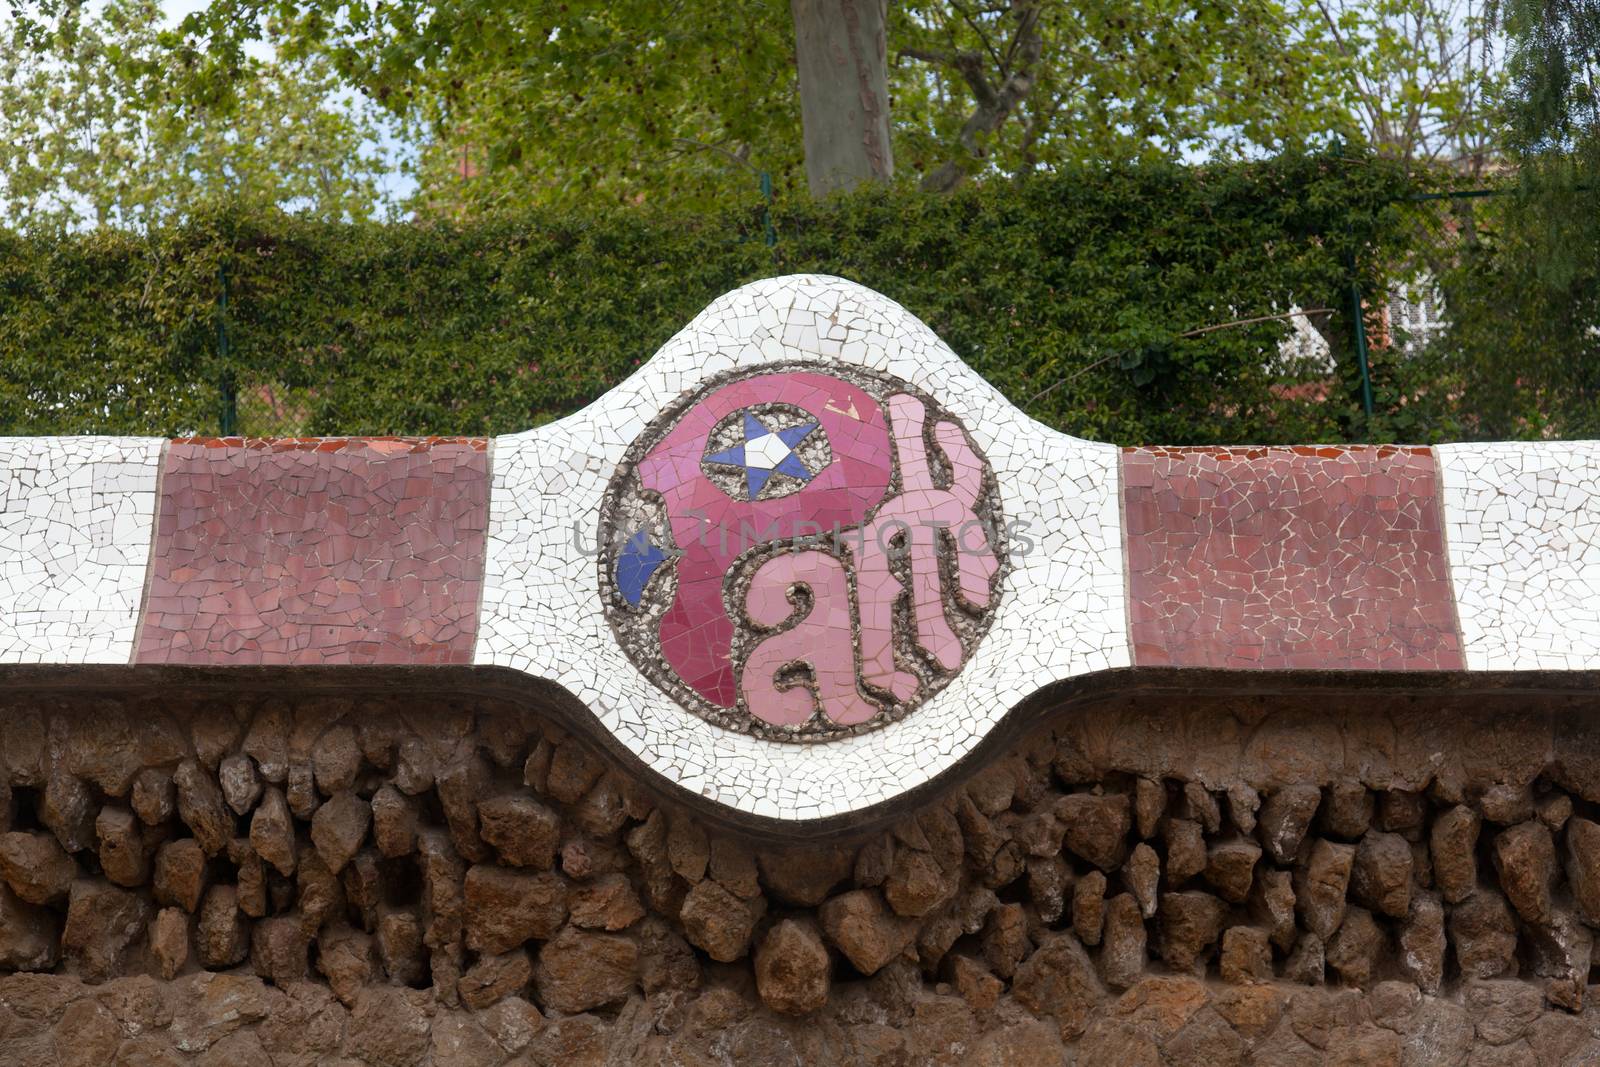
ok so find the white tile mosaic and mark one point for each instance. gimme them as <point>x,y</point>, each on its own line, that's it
<point>1062,613</point>
<point>75,523</point>
<point>1522,523</point>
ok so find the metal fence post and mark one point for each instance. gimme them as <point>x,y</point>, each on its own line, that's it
<point>229,416</point>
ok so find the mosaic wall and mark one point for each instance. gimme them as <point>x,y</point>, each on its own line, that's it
<point>804,519</point>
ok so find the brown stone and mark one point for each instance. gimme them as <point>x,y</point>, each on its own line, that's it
<point>67,809</point>
<point>339,827</point>
<point>463,782</point>
<point>1049,879</point>
<point>1089,907</point>
<point>1243,805</point>
<point>279,947</point>
<point>1453,844</point>
<point>1320,887</point>
<point>1271,905</point>
<point>28,937</point>
<point>1285,817</point>
<point>1005,939</point>
<point>864,929</point>
<point>241,785</point>
<point>36,867</point>
<point>607,903</point>
<point>524,832</point>
<point>1059,982</point>
<point>1149,804</point>
<point>1347,810</point>
<point>512,1023</point>
<point>180,873</point>
<point>1206,1041</point>
<point>1201,806</point>
<point>153,799</point>
<point>1402,812</point>
<point>1582,865</point>
<point>804,877</point>
<point>336,760</point>
<point>123,858</point>
<point>666,962</point>
<point>1096,827</point>
<point>318,893</point>
<point>1554,809</point>
<point>1141,875</point>
<point>1483,934</point>
<point>1230,868</point>
<point>348,959</point>
<point>1381,877</point>
<point>579,970</point>
<point>792,968</point>
<point>733,865</point>
<point>252,882</point>
<point>1252,1010</point>
<point>495,977</point>
<point>1505,804</point>
<point>1525,859</point>
<point>573,772</point>
<point>400,948</point>
<point>1355,947</point>
<point>1124,942</point>
<point>223,937</point>
<point>1186,851</point>
<point>394,822</point>
<point>505,908</point>
<point>390,1027</point>
<point>267,740</point>
<point>1307,963</point>
<point>1502,1011</point>
<point>1561,952</point>
<point>719,922</point>
<point>103,921</point>
<point>916,884</point>
<point>414,766</point>
<point>1246,955</point>
<point>1190,924</point>
<point>1422,942</point>
<point>201,807</point>
<point>272,832</point>
<point>169,941</point>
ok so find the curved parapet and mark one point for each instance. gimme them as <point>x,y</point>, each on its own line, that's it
<point>804,561</point>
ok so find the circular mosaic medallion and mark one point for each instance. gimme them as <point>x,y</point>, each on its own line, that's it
<point>802,553</point>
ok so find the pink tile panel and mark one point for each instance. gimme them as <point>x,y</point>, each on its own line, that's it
<point>317,551</point>
<point>1287,558</point>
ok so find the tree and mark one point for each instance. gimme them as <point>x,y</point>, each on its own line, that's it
<point>631,101</point>
<point>91,133</point>
<point>842,59</point>
<point>1524,297</point>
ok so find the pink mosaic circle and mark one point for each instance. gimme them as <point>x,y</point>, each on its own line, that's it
<point>802,552</point>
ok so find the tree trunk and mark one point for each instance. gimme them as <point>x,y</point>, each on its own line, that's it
<point>841,50</point>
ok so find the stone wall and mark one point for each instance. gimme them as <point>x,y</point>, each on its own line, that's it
<point>1331,879</point>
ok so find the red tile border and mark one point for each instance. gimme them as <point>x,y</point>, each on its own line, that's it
<point>317,551</point>
<point>1294,557</point>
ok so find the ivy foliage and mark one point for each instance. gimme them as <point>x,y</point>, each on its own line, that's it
<point>1109,303</point>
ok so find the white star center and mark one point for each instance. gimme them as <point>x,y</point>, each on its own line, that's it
<point>766,452</point>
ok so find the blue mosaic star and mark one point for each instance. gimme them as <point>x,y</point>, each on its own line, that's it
<point>765,453</point>
<point>636,562</point>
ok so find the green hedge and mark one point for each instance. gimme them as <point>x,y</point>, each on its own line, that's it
<point>1069,292</point>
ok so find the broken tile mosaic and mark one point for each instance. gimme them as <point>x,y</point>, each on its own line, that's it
<point>332,551</point>
<point>1287,558</point>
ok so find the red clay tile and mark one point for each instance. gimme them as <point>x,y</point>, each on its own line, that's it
<point>317,551</point>
<point>1304,557</point>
